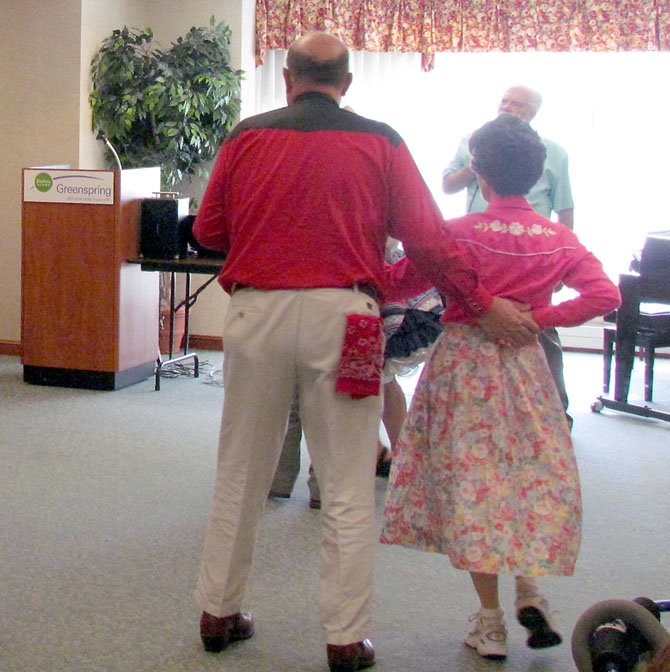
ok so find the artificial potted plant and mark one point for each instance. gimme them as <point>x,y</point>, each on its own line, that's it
<point>165,108</point>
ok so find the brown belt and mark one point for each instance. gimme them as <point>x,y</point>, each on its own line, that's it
<point>364,287</point>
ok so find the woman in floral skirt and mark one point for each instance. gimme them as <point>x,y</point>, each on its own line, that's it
<point>484,471</point>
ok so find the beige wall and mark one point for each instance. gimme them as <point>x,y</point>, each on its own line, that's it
<point>98,19</point>
<point>44,114</point>
<point>38,120</point>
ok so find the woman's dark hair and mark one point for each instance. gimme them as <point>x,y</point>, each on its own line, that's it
<point>508,154</point>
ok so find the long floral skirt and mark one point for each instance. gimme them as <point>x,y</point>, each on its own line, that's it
<point>484,470</point>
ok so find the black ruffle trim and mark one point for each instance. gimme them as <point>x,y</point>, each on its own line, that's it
<point>419,329</point>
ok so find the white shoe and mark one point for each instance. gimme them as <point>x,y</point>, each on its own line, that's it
<point>532,611</point>
<point>488,637</point>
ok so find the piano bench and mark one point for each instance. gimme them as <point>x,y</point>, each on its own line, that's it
<point>647,341</point>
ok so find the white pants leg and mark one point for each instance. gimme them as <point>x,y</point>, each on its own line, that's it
<point>274,339</point>
<point>259,380</point>
<point>341,435</point>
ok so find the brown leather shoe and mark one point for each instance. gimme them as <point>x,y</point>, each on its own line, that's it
<point>350,657</point>
<point>216,633</point>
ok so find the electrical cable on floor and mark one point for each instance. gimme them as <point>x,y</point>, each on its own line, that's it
<point>181,369</point>
<point>215,377</point>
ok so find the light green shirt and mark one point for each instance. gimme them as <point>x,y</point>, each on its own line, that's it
<point>551,192</point>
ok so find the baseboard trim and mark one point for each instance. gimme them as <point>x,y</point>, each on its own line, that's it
<point>196,341</point>
<point>201,342</point>
<point>12,348</point>
<point>215,343</point>
<point>86,379</point>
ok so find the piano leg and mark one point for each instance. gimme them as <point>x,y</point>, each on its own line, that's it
<point>649,355</point>
<point>624,356</point>
<point>608,353</point>
<point>626,334</point>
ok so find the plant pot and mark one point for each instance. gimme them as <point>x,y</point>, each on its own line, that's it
<point>164,330</point>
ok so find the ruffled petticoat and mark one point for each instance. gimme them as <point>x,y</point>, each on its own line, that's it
<point>484,470</point>
<point>410,329</point>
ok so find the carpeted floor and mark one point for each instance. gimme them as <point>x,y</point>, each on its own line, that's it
<point>104,498</point>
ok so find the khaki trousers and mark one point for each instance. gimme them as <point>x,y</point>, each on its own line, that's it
<point>276,340</point>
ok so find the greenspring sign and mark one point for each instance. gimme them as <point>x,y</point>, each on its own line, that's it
<point>92,187</point>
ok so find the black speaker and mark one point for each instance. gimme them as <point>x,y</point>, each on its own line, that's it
<point>162,222</point>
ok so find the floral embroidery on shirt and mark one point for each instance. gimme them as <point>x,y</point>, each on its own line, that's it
<point>515,228</point>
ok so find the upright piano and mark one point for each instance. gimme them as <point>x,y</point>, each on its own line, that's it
<point>648,283</point>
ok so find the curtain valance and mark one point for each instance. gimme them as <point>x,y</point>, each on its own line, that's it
<point>430,26</point>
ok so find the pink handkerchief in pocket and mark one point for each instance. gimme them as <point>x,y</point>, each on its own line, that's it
<point>362,358</point>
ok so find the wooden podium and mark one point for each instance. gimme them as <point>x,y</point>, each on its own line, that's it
<point>89,319</point>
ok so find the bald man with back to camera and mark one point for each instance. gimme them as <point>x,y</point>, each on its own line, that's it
<point>302,200</point>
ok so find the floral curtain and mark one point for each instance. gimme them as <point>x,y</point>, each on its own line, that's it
<point>430,26</point>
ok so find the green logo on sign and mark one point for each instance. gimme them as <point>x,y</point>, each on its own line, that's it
<point>43,182</point>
